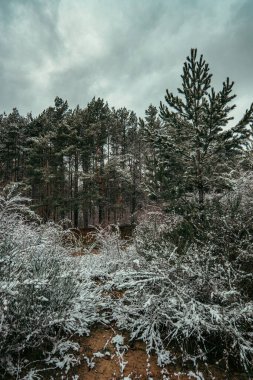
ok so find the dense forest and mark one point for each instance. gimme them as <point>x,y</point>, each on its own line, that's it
<point>83,164</point>
<point>182,176</point>
<point>100,165</point>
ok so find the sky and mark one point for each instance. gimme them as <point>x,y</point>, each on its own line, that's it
<point>125,51</point>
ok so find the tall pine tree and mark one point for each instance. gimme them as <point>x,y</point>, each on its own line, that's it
<point>196,146</point>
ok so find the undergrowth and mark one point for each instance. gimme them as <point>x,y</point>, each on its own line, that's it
<point>192,308</point>
<point>43,298</point>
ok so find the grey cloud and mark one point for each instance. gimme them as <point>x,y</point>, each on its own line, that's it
<point>126,51</point>
<point>27,38</point>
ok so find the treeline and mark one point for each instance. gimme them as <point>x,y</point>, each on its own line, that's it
<point>86,165</point>
<point>101,165</point>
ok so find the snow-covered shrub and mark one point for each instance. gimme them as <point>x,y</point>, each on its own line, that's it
<point>152,234</point>
<point>196,302</point>
<point>228,231</point>
<point>192,302</point>
<point>190,305</point>
<point>42,293</point>
<point>12,202</point>
<point>115,255</point>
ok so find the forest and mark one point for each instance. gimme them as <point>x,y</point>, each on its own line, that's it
<point>182,284</point>
<point>87,165</point>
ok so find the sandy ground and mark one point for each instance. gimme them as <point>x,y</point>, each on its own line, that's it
<point>108,354</point>
<point>131,361</point>
<point>127,362</point>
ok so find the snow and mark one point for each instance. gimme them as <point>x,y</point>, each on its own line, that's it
<point>197,375</point>
<point>118,340</point>
<point>164,297</point>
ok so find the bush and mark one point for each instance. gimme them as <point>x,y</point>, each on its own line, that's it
<point>198,302</point>
<point>153,234</point>
<point>43,297</point>
<point>192,303</point>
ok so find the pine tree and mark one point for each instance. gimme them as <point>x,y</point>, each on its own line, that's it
<point>13,133</point>
<point>196,145</point>
<point>45,165</point>
<point>154,176</point>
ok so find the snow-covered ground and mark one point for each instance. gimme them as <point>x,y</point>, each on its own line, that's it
<point>192,302</point>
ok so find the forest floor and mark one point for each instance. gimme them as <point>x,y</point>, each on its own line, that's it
<point>107,354</point>
<point>115,358</point>
<point>128,361</point>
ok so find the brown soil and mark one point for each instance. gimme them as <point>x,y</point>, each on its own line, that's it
<point>137,364</point>
<point>135,361</point>
<point>101,360</point>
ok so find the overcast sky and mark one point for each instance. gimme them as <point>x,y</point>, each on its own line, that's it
<point>126,51</point>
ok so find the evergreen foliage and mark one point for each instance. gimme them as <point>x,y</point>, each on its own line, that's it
<point>196,146</point>
<point>82,164</point>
